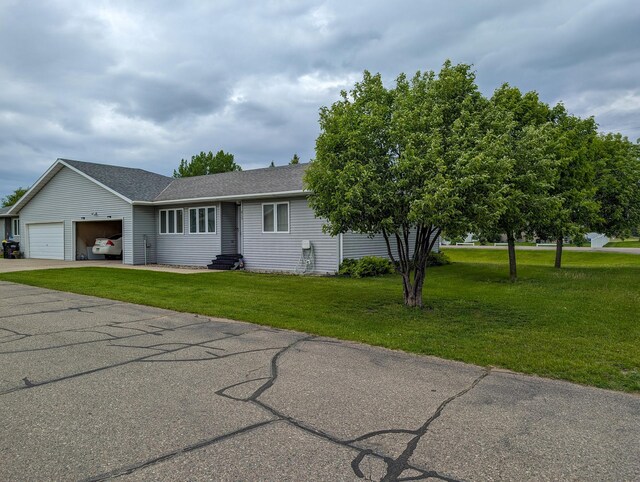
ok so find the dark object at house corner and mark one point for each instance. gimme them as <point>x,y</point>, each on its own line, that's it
<point>8,247</point>
<point>227,262</point>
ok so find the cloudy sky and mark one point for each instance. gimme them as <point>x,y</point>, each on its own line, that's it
<point>144,84</point>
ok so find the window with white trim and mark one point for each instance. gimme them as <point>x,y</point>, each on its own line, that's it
<point>15,226</point>
<point>171,221</point>
<point>275,217</point>
<point>202,220</point>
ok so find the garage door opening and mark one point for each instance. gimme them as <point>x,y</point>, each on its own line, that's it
<point>88,231</point>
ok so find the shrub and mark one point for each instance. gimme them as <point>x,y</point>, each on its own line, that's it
<point>437,259</point>
<point>366,266</point>
<point>347,266</point>
<point>376,266</point>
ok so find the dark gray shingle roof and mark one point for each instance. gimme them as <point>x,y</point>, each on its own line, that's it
<point>4,211</point>
<point>240,183</point>
<point>134,184</point>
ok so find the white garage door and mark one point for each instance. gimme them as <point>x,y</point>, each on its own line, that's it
<point>46,241</point>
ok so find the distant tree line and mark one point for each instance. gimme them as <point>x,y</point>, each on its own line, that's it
<point>207,163</point>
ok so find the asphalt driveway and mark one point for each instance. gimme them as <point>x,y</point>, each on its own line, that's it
<point>92,389</point>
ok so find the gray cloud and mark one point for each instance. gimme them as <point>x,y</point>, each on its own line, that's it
<point>147,83</point>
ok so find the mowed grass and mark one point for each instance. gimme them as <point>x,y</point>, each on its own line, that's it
<point>581,323</point>
<point>627,243</point>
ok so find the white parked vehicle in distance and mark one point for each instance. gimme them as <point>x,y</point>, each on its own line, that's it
<point>111,247</point>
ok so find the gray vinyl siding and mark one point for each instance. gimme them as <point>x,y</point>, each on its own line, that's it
<point>356,246</point>
<point>187,249</point>
<point>144,224</point>
<point>229,234</point>
<point>281,251</point>
<point>66,198</point>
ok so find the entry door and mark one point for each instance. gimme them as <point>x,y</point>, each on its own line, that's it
<point>46,241</point>
<point>229,234</point>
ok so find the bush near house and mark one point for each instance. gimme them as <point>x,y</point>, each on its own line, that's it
<point>365,267</point>
<point>438,259</point>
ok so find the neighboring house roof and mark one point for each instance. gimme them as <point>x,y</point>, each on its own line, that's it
<point>134,184</point>
<point>143,187</point>
<point>268,180</point>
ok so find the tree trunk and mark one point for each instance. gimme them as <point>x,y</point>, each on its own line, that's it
<point>559,253</point>
<point>511,242</point>
<point>413,291</point>
<point>406,264</point>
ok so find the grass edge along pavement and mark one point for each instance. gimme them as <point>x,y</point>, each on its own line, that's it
<point>579,324</point>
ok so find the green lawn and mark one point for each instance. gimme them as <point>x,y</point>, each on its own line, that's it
<point>581,323</point>
<point>627,243</point>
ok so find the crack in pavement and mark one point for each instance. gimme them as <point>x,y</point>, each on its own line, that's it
<point>401,463</point>
<point>109,367</point>
<point>73,308</point>
<point>215,357</point>
<point>253,398</point>
<point>395,467</point>
<point>114,324</point>
<point>87,342</point>
<point>41,302</point>
<point>167,456</point>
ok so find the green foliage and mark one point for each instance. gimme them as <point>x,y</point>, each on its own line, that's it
<point>438,259</point>
<point>578,240</point>
<point>365,267</point>
<point>617,185</point>
<point>207,163</point>
<point>521,134</point>
<point>406,162</point>
<point>574,187</point>
<point>295,159</point>
<point>14,197</point>
<point>347,266</point>
<point>523,137</point>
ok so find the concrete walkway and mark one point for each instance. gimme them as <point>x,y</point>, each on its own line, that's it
<point>93,389</point>
<point>13,265</point>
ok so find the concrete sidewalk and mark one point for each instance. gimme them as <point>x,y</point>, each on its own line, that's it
<point>14,265</point>
<point>93,389</point>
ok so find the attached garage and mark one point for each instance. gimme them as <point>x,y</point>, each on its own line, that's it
<point>46,240</point>
<point>87,232</point>
<point>73,203</point>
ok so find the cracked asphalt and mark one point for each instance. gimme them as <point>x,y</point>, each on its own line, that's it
<point>92,389</point>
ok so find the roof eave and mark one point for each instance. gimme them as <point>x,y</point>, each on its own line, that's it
<point>233,197</point>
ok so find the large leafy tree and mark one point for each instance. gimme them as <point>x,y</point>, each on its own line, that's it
<point>406,162</point>
<point>207,163</point>
<point>574,188</point>
<point>617,185</point>
<point>524,140</point>
<point>14,197</point>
